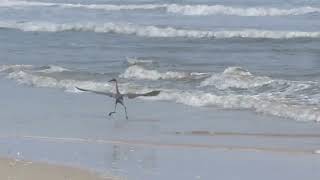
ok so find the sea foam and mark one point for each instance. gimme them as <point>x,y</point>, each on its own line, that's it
<point>138,72</point>
<point>274,102</point>
<point>154,31</point>
<point>236,77</point>
<point>40,77</point>
<point>52,69</point>
<point>258,103</point>
<point>138,61</point>
<point>13,3</point>
<point>107,7</point>
<point>183,9</point>
<point>201,10</point>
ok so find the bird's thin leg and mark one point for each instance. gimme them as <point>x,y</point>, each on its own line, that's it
<point>125,109</point>
<point>115,108</point>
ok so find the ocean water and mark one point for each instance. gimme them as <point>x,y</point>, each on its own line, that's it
<point>244,66</point>
<point>256,55</point>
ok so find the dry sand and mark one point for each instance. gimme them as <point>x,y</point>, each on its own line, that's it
<point>11,169</point>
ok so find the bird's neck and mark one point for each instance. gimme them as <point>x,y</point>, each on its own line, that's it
<point>117,89</point>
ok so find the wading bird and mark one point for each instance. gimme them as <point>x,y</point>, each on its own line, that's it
<point>120,97</point>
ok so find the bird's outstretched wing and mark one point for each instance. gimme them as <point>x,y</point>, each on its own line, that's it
<point>132,95</point>
<point>97,92</point>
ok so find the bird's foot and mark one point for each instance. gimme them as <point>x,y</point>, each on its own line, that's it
<point>110,113</point>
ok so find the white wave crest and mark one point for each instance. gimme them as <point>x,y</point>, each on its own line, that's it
<point>31,75</point>
<point>258,103</point>
<point>137,61</point>
<point>236,77</point>
<point>13,3</point>
<point>67,84</point>
<point>44,69</point>
<point>238,11</point>
<point>107,7</point>
<point>139,72</point>
<point>11,68</point>
<point>268,103</point>
<point>153,31</point>
<point>111,7</point>
<point>196,9</point>
<point>52,69</point>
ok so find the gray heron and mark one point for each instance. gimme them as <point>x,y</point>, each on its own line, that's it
<point>120,97</point>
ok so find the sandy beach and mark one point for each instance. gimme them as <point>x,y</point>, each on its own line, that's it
<point>11,169</point>
<point>146,146</point>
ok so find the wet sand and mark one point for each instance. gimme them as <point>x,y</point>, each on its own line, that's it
<point>11,169</point>
<point>73,130</point>
<point>156,144</point>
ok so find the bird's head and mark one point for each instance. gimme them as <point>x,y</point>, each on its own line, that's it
<point>113,80</point>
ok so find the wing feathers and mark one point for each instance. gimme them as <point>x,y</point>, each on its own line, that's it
<point>97,92</point>
<point>129,95</point>
<point>152,93</point>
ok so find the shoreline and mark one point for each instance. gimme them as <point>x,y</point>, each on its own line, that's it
<point>11,168</point>
<point>66,129</point>
<point>190,145</point>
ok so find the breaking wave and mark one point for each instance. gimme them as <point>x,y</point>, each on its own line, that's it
<point>201,10</point>
<point>13,3</point>
<point>275,102</point>
<point>197,9</point>
<point>261,104</point>
<point>111,7</point>
<point>138,72</point>
<point>137,61</point>
<point>154,31</point>
<point>40,77</point>
<point>107,7</point>
<point>16,67</point>
<point>236,77</point>
<point>20,67</point>
<point>52,69</point>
